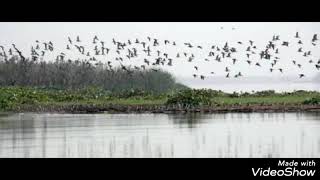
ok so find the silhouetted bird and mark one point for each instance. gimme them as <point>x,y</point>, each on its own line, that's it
<point>314,38</point>
<point>94,41</point>
<point>234,61</point>
<point>170,62</point>
<point>69,39</point>
<point>147,62</point>
<point>281,70</point>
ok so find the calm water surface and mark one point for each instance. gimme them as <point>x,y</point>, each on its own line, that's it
<point>160,135</point>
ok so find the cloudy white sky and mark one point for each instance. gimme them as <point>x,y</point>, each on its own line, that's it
<point>24,34</point>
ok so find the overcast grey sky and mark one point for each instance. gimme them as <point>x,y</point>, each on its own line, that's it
<point>24,34</point>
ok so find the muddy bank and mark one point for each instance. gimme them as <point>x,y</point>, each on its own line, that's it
<point>111,108</point>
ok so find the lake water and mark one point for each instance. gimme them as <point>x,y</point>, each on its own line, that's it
<point>248,84</point>
<point>160,135</point>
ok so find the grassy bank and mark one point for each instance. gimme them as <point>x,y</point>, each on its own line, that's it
<point>20,99</point>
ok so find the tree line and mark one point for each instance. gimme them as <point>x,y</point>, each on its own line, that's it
<point>63,74</point>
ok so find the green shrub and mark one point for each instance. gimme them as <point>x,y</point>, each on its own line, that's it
<point>191,97</point>
<point>313,101</point>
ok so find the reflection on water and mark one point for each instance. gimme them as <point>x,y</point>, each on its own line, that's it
<point>161,135</point>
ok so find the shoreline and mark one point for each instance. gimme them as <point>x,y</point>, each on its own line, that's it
<point>162,109</point>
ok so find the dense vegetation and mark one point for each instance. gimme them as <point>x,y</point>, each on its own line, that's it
<point>14,98</point>
<point>82,74</point>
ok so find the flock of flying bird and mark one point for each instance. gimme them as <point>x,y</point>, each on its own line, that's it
<point>148,51</point>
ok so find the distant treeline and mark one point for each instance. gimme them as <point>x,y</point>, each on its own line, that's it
<point>81,74</point>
